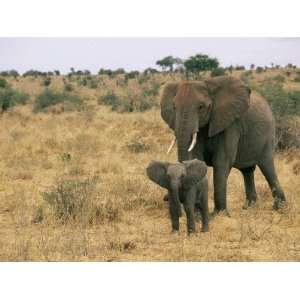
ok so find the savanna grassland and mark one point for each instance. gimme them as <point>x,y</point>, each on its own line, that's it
<point>73,184</point>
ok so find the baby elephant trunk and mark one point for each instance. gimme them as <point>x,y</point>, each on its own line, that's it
<point>175,201</point>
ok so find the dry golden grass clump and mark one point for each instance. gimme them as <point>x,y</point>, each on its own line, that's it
<point>73,188</point>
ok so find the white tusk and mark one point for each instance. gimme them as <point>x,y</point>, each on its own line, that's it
<point>193,143</point>
<point>172,145</point>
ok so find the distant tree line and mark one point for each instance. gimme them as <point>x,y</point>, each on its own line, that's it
<point>193,65</point>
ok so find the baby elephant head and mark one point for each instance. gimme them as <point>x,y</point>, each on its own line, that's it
<point>176,176</point>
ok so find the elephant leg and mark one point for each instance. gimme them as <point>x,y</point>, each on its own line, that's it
<point>220,188</point>
<point>189,210</point>
<point>251,196</point>
<point>189,207</point>
<point>268,169</point>
<point>174,215</point>
<point>204,211</point>
<point>222,161</point>
<point>197,211</point>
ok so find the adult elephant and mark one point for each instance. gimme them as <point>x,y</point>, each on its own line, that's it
<point>221,122</point>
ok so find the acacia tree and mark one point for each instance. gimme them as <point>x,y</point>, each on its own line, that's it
<point>199,63</point>
<point>168,62</point>
<point>149,71</point>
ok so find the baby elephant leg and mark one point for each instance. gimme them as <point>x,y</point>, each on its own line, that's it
<point>189,204</point>
<point>197,210</point>
<point>202,201</point>
<point>174,216</point>
<point>204,213</point>
<point>189,210</point>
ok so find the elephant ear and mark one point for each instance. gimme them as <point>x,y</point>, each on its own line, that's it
<point>157,172</point>
<point>195,171</point>
<point>169,91</point>
<point>231,98</point>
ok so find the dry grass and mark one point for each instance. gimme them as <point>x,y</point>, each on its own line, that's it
<point>38,150</point>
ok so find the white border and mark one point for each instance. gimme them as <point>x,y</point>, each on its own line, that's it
<point>149,281</point>
<point>156,18</point>
<point>135,18</point>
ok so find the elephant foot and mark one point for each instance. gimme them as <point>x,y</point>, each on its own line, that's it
<point>220,212</point>
<point>249,203</point>
<point>279,204</point>
<point>204,228</point>
<point>191,232</point>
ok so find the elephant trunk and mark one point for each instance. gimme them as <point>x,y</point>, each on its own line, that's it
<point>182,149</point>
<point>176,201</point>
<point>186,130</point>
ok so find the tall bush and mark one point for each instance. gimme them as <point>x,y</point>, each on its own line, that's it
<point>49,98</point>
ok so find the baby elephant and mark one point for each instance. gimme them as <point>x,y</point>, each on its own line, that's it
<point>186,183</point>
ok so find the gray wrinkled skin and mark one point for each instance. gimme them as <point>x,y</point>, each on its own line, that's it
<point>187,184</point>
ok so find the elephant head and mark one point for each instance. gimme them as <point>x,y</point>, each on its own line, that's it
<point>188,106</point>
<point>176,176</point>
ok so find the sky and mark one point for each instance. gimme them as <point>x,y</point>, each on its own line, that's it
<point>48,54</point>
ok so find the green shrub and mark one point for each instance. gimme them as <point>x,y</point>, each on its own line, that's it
<point>143,78</point>
<point>68,87</point>
<point>10,97</point>
<point>145,103</point>
<point>110,99</point>
<point>152,90</point>
<point>93,84</point>
<point>116,102</point>
<point>240,68</point>
<point>128,103</point>
<point>131,75</point>
<point>284,105</point>
<point>138,146</point>
<point>259,70</point>
<point>34,73</point>
<point>107,72</point>
<point>297,78</point>
<point>12,73</point>
<point>282,102</point>
<point>150,71</point>
<point>70,198</point>
<point>277,78</point>
<point>65,157</point>
<point>47,81</point>
<point>49,98</point>
<point>294,102</point>
<point>83,82</point>
<point>78,200</point>
<point>3,83</point>
<point>287,134</point>
<point>245,76</point>
<point>217,72</point>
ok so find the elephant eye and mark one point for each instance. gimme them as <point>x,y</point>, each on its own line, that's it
<point>200,106</point>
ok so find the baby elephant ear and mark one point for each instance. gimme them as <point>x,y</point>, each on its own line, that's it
<point>231,98</point>
<point>195,171</point>
<point>157,172</point>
